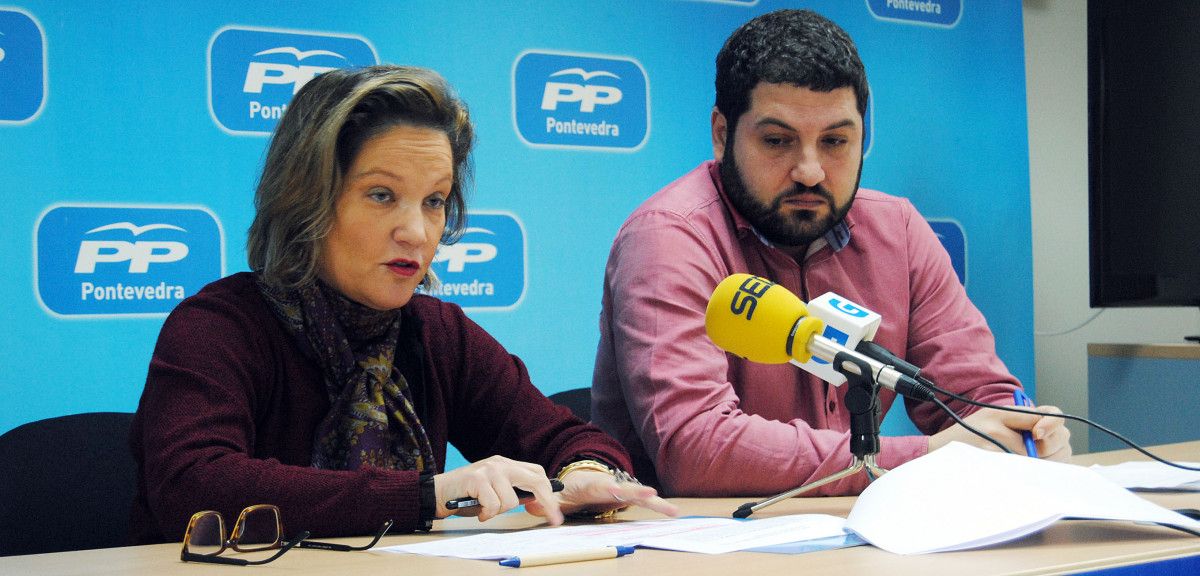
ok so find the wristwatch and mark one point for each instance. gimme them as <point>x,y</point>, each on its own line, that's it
<point>427,498</point>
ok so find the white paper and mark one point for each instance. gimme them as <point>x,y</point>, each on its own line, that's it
<point>1151,475</point>
<point>707,535</point>
<point>961,497</point>
<point>752,534</point>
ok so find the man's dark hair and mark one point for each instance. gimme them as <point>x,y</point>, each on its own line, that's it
<point>797,47</point>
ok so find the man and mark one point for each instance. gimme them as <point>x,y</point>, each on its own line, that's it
<point>781,200</point>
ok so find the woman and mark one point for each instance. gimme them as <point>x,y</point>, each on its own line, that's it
<point>319,382</point>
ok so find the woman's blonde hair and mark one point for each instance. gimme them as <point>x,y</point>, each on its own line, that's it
<point>315,144</point>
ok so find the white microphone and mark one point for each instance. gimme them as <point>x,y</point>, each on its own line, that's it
<point>846,323</point>
<point>761,321</point>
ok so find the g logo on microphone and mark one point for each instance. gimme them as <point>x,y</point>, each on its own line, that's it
<point>747,295</point>
<point>849,308</point>
<point>846,323</point>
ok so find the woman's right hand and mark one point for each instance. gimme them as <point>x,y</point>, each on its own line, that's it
<point>491,481</point>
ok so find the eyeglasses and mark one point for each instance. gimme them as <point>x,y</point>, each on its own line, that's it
<point>258,528</point>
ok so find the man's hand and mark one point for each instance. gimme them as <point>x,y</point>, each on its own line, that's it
<point>1050,433</point>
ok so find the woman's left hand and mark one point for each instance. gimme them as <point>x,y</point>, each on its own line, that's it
<point>599,492</point>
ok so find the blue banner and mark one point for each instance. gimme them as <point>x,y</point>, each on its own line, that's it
<point>133,136</point>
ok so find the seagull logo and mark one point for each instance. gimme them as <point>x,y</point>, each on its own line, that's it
<point>136,230</point>
<point>299,54</point>
<point>584,73</point>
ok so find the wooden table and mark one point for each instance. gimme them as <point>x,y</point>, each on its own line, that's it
<point>1066,547</point>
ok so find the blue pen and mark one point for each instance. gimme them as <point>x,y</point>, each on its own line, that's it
<point>564,557</point>
<point>1020,399</point>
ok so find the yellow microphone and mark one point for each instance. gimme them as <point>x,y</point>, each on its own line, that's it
<point>760,321</point>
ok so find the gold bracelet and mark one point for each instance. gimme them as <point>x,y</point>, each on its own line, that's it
<point>597,466</point>
<point>619,475</point>
<point>585,465</point>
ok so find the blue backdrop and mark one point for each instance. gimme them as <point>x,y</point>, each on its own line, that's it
<point>132,134</point>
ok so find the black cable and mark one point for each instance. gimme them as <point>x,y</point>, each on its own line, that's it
<point>929,384</point>
<point>970,428</point>
<point>1095,425</point>
<point>881,354</point>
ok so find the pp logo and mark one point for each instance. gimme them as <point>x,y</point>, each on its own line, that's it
<point>941,13</point>
<point>253,73</point>
<point>485,269</point>
<point>139,254</point>
<point>578,101</point>
<point>124,260</point>
<point>22,67</point>
<point>954,240</point>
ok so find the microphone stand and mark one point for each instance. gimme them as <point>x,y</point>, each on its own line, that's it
<point>861,401</point>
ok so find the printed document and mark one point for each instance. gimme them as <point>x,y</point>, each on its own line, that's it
<point>704,535</point>
<point>960,497</point>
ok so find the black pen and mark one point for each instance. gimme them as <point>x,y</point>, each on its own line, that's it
<point>457,503</point>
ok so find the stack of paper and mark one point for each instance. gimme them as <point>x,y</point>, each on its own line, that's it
<point>1151,475</point>
<point>962,497</point>
<point>705,535</point>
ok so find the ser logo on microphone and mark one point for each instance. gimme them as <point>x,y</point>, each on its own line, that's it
<point>747,295</point>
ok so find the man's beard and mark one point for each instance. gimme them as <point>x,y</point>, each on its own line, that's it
<point>796,228</point>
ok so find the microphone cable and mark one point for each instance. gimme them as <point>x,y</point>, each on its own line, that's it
<point>962,422</point>
<point>926,382</point>
<point>1190,513</point>
<point>885,356</point>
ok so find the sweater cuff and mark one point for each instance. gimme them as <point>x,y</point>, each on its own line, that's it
<point>396,495</point>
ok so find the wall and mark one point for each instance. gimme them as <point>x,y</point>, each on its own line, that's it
<point>1056,79</point>
<point>148,138</point>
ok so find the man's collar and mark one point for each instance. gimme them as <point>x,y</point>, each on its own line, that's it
<point>838,236</point>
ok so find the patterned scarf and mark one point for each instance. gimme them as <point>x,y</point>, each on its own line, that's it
<point>371,420</point>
